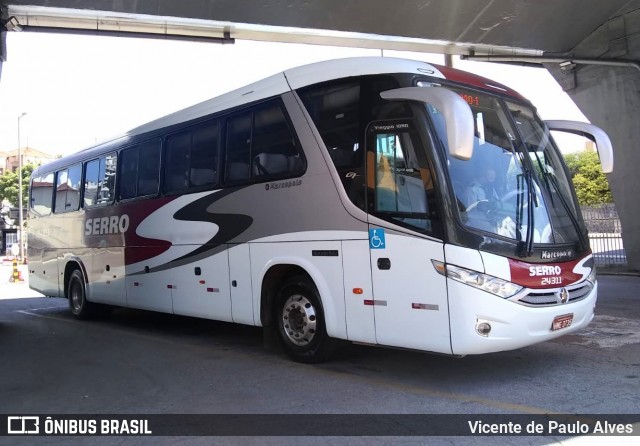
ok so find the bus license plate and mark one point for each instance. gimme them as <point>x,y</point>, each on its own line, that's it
<point>560,322</point>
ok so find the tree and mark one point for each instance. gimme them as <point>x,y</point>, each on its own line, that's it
<point>9,186</point>
<point>591,184</point>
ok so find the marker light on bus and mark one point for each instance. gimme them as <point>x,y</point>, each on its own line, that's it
<point>483,328</point>
<point>484,282</point>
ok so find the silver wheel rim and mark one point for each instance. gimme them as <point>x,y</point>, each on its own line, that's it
<point>76,296</point>
<point>299,320</point>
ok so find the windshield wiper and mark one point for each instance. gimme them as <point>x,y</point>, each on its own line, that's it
<point>531,214</point>
<point>545,174</point>
<point>519,206</point>
<point>525,248</point>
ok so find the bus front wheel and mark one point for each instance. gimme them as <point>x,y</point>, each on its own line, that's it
<point>80,307</point>
<point>300,321</point>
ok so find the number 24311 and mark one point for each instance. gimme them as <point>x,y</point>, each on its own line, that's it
<point>551,280</point>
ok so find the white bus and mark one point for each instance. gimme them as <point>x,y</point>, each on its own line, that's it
<point>375,200</point>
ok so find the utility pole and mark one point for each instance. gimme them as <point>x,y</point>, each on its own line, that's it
<point>20,229</point>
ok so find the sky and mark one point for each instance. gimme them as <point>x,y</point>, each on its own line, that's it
<point>80,90</point>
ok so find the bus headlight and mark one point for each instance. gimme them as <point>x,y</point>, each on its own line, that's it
<point>484,282</point>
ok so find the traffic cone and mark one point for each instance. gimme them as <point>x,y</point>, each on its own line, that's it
<point>15,274</point>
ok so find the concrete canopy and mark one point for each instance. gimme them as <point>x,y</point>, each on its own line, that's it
<point>551,26</point>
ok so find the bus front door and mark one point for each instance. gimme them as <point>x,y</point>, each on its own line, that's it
<point>409,296</point>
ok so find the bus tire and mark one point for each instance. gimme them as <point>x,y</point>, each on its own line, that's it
<point>80,307</point>
<point>300,321</point>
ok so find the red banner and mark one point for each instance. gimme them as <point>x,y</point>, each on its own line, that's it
<point>545,275</point>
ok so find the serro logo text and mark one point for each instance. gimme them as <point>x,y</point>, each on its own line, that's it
<point>545,270</point>
<point>106,225</point>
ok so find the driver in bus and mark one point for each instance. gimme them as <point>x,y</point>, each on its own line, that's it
<point>481,198</point>
<point>482,189</point>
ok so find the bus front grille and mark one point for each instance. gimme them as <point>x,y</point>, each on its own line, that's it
<point>548,298</point>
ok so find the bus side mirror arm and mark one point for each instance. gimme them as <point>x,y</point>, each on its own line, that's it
<point>456,112</point>
<point>595,134</point>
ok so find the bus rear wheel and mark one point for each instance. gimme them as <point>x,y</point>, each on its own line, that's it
<point>80,307</point>
<point>301,323</point>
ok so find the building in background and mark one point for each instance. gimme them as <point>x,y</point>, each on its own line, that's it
<point>9,160</point>
<point>9,216</point>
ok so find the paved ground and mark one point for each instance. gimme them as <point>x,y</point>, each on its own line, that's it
<point>148,363</point>
<point>17,290</point>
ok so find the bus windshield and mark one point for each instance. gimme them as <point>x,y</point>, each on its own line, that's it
<point>498,191</point>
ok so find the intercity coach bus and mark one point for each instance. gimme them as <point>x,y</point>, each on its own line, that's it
<point>375,200</point>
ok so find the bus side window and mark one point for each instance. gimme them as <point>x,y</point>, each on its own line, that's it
<point>68,189</point>
<point>99,179</point>
<point>91,180</point>
<point>401,179</point>
<point>274,148</point>
<point>149,169</point>
<point>177,162</point>
<point>192,158</point>
<point>107,179</point>
<point>42,194</point>
<point>128,173</point>
<point>203,156</point>
<point>61,193</point>
<point>140,170</point>
<point>238,144</point>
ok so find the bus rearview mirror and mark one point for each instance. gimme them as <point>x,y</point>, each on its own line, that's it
<point>594,133</point>
<point>455,110</point>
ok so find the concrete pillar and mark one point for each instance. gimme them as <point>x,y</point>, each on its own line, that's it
<point>610,98</point>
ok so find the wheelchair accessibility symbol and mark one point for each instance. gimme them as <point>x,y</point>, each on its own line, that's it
<point>376,239</point>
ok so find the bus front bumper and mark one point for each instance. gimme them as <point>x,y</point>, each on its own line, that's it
<point>483,323</point>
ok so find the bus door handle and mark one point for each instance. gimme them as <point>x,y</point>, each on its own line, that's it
<point>384,263</point>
